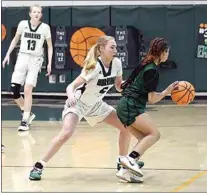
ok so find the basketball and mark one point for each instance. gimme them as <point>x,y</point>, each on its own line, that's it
<point>81,42</point>
<point>3,32</point>
<point>184,93</point>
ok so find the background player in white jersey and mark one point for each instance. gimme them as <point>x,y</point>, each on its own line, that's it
<point>33,34</point>
<point>101,71</point>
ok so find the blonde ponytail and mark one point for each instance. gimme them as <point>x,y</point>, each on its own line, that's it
<point>93,54</point>
<point>91,58</point>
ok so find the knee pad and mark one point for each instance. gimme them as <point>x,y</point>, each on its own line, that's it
<point>15,90</point>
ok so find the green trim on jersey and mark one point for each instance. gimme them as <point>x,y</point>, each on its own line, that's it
<point>30,26</point>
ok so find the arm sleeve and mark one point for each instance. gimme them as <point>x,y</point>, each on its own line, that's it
<point>151,79</point>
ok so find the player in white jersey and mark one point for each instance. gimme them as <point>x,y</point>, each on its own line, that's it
<point>101,71</point>
<point>33,34</point>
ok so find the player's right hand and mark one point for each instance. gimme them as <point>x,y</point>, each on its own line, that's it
<point>171,87</point>
<point>71,101</point>
<point>5,61</point>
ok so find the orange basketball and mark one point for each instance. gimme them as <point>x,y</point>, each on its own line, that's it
<point>184,94</point>
<point>3,32</point>
<point>81,42</point>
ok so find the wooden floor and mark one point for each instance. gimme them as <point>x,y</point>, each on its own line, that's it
<point>178,162</point>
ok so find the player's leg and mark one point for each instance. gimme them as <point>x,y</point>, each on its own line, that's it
<point>143,124</point>
<point>124,135</point>
<point>27,115</point>
<point>34,66</point>
<point>18,79</point>
<point>15,90</point>
<point>102,112</point>
<point>124,140</point>
<point>71,116</point>
<point>138,135</point>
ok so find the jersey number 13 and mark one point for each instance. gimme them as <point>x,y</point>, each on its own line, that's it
<point>31,44</point>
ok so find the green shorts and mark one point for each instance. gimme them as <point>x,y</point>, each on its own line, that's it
<point>128,109</point>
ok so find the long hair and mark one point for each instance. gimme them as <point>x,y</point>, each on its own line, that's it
<point>93,54</point>
<point>157,47</point>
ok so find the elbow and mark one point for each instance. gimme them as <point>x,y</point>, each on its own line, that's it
<point>14,42</point>
<point>151,100</point>
<point>118,88</point>
<point>49,45</point>
<point>15,39</point>
<point>50,49</point>
<point>67,88</point>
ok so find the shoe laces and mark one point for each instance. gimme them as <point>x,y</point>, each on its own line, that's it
<point>37,170</point>
<point>24,123</point>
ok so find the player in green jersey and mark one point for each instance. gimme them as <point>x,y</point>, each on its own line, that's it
<point>138,89</point>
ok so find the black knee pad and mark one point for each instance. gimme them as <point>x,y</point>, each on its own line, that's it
<point>15,90</point>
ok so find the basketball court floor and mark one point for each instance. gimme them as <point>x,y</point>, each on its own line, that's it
<point>177,163</point>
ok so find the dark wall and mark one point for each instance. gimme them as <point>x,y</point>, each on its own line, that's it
<point>178,24</point>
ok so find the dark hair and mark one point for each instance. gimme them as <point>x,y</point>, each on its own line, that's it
<point>157,46</point>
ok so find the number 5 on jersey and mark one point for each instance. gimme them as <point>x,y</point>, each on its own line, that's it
<point>103,90</point>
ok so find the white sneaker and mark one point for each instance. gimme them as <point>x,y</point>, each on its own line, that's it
<point>24,126</point>
<point>128,176</point>
<point>31,118</point>
<point>131,165</point>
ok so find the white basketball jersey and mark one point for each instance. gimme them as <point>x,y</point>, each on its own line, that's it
<point>32,39</point>
<point>99,81</point>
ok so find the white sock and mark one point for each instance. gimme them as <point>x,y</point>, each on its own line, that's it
<point>26,116</point>
<point>43,163</point>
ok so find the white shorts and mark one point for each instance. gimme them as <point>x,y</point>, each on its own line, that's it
<point>93,114</point>
<point>26,69</point>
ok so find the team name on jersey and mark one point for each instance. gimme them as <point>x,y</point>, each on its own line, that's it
<point>32,35</point>
<point>105,82</point>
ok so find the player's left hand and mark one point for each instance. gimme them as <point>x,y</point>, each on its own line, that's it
<point>48,70</point>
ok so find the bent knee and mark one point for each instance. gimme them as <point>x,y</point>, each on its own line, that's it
<point>156,134</point>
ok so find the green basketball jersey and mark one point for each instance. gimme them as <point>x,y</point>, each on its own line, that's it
<point>137,88</point>
<point>135,96</point>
